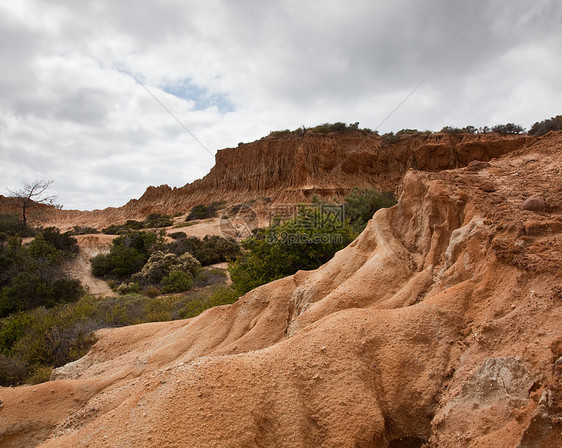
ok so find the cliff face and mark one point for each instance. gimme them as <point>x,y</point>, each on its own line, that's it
<point>294,168</point>
<point>439,324</point>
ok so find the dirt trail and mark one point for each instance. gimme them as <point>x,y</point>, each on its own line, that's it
<point>80,267</point>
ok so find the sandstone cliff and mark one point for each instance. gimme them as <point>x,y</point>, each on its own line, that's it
<point>294,168</point>
<point>439,324</point>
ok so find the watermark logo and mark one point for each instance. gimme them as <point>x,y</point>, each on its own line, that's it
<point>309,223</point>
<point>309,216</point>
<point>238,222</point>
<point>298,237</point>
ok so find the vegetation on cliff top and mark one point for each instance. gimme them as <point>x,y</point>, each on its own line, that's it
<point>391,137</point>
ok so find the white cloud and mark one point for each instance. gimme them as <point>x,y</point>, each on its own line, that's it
<point>233,71</point>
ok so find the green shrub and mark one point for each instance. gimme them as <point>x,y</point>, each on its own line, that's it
<point>13,370</point>
<point>210,276</point>
<point>9,224</point>
<point>12,328</point>
<point>389,138</point>
<point>101,265</point>
<point>125,261</point>
<point>202,211</point>
<point>280,133</point>
<point>151,291</point>
<point>64,290</point>
<point>177,235</point>
<point>155,220</point>
<point>283,249</point>
<point>408,132</point>
<point>509,128</point>
<point>215,249</point>
<point>451,130</point>
<point>177,281</point>
<point>209,250</point>
<point>33,276</point>
<point>116,229</point>
<point>545,126</point>
<point>337,127</point>
<point>40,374</point>
<point>129,288</point>
<point>40,249</point>
<point>77,230</point>
<point>361,205</point>
<point>127,256</point>
<point>60,241</point>
<point>35,341</point>
<point>160,265</point>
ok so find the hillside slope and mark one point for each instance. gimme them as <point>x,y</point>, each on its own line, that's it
<point>441,323</point>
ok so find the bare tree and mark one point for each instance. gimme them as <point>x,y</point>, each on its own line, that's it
<point>31,194</point>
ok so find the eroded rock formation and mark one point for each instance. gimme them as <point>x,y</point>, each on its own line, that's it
<point>294,168</point>
<point>439,324</point>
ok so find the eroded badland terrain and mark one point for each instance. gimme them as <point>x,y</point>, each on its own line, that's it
<point>440,325</point>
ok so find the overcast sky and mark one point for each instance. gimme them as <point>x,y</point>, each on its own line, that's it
<point>232,71</point>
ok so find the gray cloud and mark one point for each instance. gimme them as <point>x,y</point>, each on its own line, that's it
<point>233,71</point>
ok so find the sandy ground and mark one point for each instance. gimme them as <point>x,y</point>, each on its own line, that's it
<point>80,267</point>
<point>200,229</point>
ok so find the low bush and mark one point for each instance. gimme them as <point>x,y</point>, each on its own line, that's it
<point>389,138</point>
<point>202,211</point>
<point>155,220</point>
<point>361,205</point>
<point>177,281</point>
<point>209,250</point>
<point>35,341</point>
<point>60,241</point>
<point>509,128</point>
<point>151,291</point>
<point>9,224</point>
<point>33,276</point>
<point>283,249</point>
<point>128,254</point>
<point>210,277</point>
<point>177,235</point>
<point>77,230</point>
<point>152,221</point>
<point>161,264</point>
<point>408,132</point>
<point>280,133</point>
<point>545,126</point>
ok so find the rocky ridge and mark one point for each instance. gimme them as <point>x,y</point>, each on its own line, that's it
<point>439,325</point>
<point>294,168</point>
